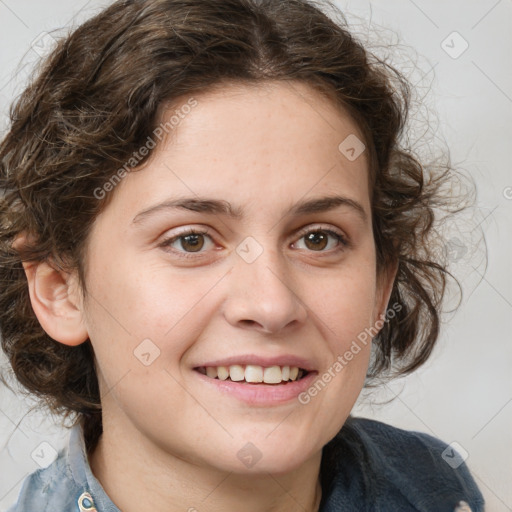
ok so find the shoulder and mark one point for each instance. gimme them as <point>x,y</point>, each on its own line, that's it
<point>385,463</point>
<point>66,484</point>
<point>51,487</point>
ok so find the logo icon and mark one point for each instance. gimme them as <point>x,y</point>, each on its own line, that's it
<point>454,455</point>
<point>43,44</point>
<point>146,352</point>
<point>249,455</point>
<point>249,249</point>
<point>44,454</point>
<point>455,249</point>
<point>454,45</point>
<point>351,147</point>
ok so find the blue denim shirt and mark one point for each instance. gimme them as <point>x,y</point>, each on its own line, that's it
<point>368,466</point>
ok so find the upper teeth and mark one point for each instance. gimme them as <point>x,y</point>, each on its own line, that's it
<point>254,373</point>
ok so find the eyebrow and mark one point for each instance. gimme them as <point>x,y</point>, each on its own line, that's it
<point>222,207</point>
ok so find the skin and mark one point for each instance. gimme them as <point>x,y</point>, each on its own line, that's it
<point>170,442</point>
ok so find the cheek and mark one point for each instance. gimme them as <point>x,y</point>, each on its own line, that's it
<point>138,309</point>
<point>344,310</point>
<point>345,304</point>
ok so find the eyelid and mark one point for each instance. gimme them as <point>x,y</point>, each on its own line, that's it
<point>319,227</point>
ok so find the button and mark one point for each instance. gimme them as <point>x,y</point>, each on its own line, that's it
<point>462,506</point>
<point>86,503</point>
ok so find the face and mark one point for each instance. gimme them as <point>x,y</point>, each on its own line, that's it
<point>244,246</point>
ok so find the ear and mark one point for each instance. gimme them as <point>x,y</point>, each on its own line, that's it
<point>55,299</point>
<point>385,282</point>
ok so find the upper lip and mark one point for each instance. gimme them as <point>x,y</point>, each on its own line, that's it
<point>245,359</point>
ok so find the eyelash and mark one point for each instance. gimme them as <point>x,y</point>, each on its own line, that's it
<point>341,239</point>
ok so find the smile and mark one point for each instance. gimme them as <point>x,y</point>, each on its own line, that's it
<point>254,374</point>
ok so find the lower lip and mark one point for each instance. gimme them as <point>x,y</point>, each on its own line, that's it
<point>261,394</point>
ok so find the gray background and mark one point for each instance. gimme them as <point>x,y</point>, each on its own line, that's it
<point>464,394</point>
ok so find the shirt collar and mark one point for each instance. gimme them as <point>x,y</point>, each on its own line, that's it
<point>93,497</point>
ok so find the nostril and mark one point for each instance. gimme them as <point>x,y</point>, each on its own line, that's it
<point>248,322</point>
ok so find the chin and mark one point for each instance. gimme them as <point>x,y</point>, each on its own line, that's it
<point>262,457</point>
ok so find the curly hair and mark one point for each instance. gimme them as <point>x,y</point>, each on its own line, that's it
<point>95,101</point>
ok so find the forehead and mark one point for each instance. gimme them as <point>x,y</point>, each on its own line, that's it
<point>253,145</point>
<point>277,113</point>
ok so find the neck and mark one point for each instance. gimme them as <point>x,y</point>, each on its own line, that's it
<point>138,476</point>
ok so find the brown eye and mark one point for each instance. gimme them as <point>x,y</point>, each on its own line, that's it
<point>192,243</point>
<point>316,240</point>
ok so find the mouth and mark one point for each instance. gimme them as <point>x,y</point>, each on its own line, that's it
<point>254,374</point>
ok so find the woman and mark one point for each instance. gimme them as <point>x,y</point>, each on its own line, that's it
<point>211,240</point>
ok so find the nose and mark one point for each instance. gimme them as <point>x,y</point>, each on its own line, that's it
<point>262,297</point>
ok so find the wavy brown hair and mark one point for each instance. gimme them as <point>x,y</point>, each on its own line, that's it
<point>97,98</point>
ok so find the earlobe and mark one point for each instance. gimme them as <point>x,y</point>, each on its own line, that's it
<point>55,301</point>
